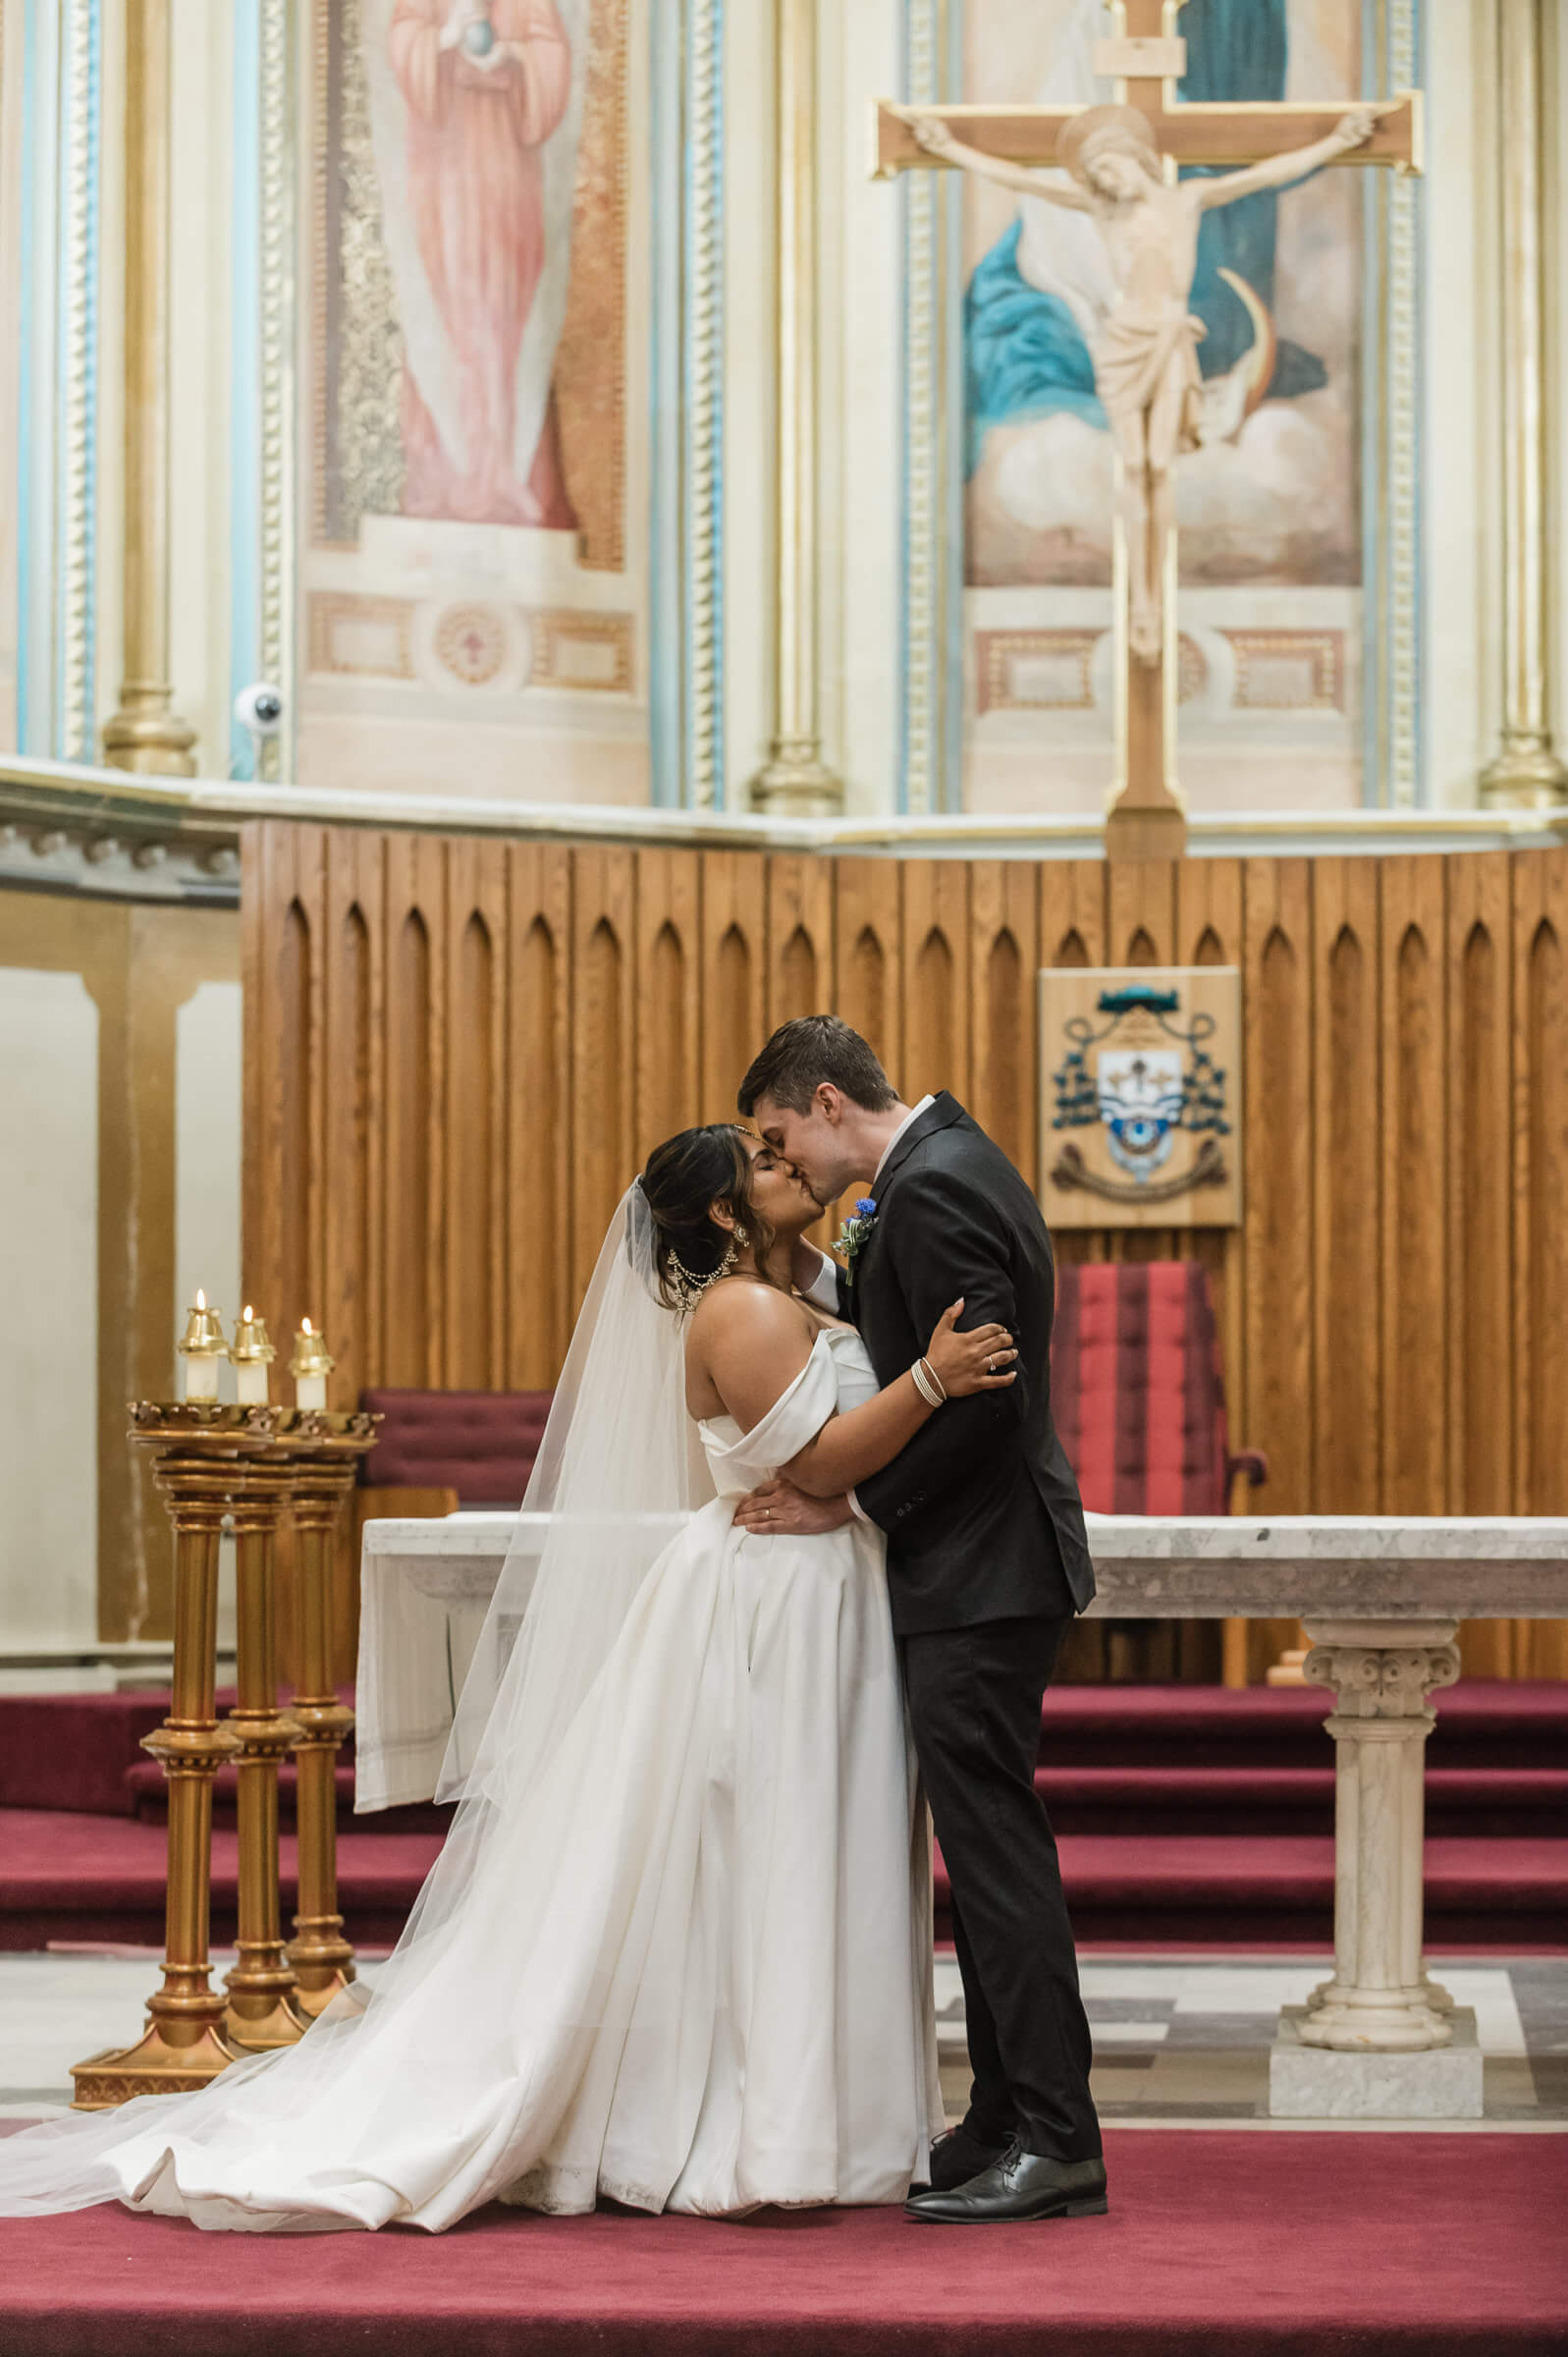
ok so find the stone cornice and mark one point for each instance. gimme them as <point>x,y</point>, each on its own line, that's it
<point>67,828</point>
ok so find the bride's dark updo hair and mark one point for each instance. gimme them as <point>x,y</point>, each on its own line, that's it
<point>683,1177</point>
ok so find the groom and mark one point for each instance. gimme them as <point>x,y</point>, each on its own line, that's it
<point>986,1564</point>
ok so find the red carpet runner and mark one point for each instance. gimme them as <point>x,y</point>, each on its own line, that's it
<point>1218,2244</point>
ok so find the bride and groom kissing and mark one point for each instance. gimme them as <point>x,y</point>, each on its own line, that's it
<point>812,1548</point>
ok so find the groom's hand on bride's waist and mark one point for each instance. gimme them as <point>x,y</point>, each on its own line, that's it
<point>779,1510</point>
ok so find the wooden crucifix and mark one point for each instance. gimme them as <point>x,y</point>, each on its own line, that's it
<point>1122,162</point>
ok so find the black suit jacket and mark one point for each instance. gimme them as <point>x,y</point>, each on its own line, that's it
<point>981,1508</point>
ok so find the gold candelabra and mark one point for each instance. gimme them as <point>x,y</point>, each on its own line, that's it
<point>247,1465</point>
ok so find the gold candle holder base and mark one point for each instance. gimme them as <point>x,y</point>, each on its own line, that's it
<point>153,2066</point>
<point>240,1464</point>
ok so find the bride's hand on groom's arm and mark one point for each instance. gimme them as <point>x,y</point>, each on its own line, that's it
<point>779,1510</point>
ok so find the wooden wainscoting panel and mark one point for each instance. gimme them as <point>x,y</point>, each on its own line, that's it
<point>354,951</point>
<point>1277,1026</point>
<point>413,1087</point>
<point>540,1301</point>
<point>733,1005</point>
<point>1073,893</point>
<point>800,940</point>
<point>667,996</point>
<point>1349,1181</point>
<point>935,978</point>
<point>474,1136</point>
<point>1141,913</point>
<point>1415,1149</point>
<point>868,929</point>
<point>1211,930</point>
<point>1480,1354</point>
<point>603,1045</point>
<point>1541,1210</point>
<point>1003,958</point>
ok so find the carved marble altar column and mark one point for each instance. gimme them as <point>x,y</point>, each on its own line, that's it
<point>1352,2050</point>
<point>796,779</point>
<point>146,734</point>
<point>1526,772</point>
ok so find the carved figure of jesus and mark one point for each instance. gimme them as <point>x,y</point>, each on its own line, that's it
<point>1144,352</point>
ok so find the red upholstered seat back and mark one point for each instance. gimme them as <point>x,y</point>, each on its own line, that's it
<point>1136,1390</point>
<point>480,1443</point>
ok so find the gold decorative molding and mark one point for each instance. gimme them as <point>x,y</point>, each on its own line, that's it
<point>1320,654</point>
<point>277,428</point>
<point>79,521</point>
<point>1064,661</point>
<point>602,645</point>
<point>353,635</point>
<point>1526,772</point>
<point>703,432</point>
<point>795,778</point>
<point>146,734</point>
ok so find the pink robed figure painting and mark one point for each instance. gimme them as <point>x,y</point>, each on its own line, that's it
<point>485,234</point>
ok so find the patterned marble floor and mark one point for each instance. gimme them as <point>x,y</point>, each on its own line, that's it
<point>1177,2044</point>
<point>1181,2042</point>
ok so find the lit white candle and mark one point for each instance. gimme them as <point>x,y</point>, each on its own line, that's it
<point>310,1366</point>
<point>201,1347</point>
<point>252,1354</point>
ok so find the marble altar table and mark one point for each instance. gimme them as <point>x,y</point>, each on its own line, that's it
<point>1381,1600</point>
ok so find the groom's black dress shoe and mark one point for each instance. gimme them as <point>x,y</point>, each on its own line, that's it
<point>959,2155</point>
<point>1019,2185</point>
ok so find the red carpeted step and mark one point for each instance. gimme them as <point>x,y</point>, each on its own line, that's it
<point>86,1877</point>
<point>1229,1890</point>
<point>1500,1802</point>
<point>71,1751</point>
<point>1219,2243</point>
<point>150,1796</point>
<point>1482,1723</point>
<point>80,1877</point>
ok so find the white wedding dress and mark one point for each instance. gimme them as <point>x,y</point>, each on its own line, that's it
<point>688,1963</point>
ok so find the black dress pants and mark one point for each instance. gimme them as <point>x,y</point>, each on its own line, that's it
<point>973,1704</point>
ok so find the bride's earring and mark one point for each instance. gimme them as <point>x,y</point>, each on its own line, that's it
<point>739,1235</point>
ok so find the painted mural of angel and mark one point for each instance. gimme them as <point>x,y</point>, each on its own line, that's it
<point>1143,348</point>
<point>475,111</point>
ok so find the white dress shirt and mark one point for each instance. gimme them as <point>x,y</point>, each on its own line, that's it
<point>824,1286</point>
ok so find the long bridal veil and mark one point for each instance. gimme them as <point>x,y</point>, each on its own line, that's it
<point>619,1474</point>
<point>619,1467</point>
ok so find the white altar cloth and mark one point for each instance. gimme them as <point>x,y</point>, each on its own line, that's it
<point>425,1587</point>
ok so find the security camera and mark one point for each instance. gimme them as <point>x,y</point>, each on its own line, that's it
<point>259,708</point>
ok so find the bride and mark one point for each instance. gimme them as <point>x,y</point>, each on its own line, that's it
<point>676,1946</point>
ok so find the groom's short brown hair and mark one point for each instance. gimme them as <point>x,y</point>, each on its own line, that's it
<point>803,1053</point>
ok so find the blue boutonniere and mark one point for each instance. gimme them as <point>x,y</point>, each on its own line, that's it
<point>852,1236</point>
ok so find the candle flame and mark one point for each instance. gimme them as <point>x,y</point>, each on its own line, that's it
<point>306,1326</point>
<point>201,1298</point>
<point>249,1313</point>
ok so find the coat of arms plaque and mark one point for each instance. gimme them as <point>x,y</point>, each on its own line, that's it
<point>1139,1096</point>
